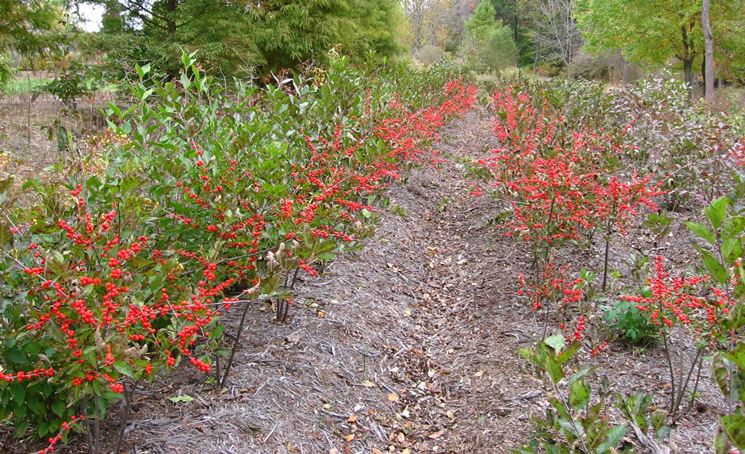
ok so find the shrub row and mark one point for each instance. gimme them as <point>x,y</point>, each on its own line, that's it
<point>211,197</point>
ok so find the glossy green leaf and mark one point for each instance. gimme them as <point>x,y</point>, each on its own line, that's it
<point>579,394</point>
<point>701,231</point>
<point>715,269</point>
<point>717,211</point>
<point>556,342</point>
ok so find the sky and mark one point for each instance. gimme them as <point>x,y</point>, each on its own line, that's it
<point>92,16</point>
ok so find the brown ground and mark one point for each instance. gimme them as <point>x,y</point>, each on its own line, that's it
<point>409,345</point>
<point>26,147</point>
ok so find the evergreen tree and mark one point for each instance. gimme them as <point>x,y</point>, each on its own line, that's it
<point>488,44</point>
<point>26,27</point>
<point>239,36</point>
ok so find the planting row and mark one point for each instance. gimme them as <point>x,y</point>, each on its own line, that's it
<point>205,200</point>
<point>580,167</point>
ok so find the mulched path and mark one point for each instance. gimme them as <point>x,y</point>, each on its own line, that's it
<point>408,345</point>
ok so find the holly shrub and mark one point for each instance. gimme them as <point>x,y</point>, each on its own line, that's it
<point>213,195</point>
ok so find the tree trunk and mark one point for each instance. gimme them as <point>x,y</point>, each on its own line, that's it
<point>708,52</point>
<point>171,6</point>
<point>688,71</point>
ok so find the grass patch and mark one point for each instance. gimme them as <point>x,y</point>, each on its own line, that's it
<point>23,85</point>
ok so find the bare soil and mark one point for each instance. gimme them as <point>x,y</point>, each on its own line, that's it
<point>408,345</point>
<point>28,133</point>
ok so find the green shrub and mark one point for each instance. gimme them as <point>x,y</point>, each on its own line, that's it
<point>634,326</point>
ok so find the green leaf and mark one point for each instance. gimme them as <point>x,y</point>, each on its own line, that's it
<point>701,231</point>
<point>18,391</point>
<point>734,226</point>
<point>717,211</point>
<point>553,368</point>
<point>614,436</point>
<point>715,269</point>
<point>181,398</point>
<point>731,249</point>
<point>142,70</point>
<point>579,394</point>
<point>36,405</point>
<point>15,356</point>
<point>43,429</point>
<point>556,342</point>
<point>569,352</point>
<point>570,428</point>
<point>21,428</point>
<point>659,424</point>
<point>124,368</point>
<point>58,408</point>
<point>734,427</point>
<point>579,375</point>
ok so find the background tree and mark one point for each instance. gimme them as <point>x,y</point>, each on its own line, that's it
<point>28,27</point>
<point>557,39</point>
<point>647,31</point>
<point>488,44</point>
<point>518,15</point>
<point>709,51</point>
<point>728,27</point>
<point>244,36</point>
<point>432,23</point>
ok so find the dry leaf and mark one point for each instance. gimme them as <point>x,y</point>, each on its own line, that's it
<point>393,397</point>
<point>400,437</point>
<point>377,451</point>
<point>349,437</point>
<point>352,419</point>
<point>368,384</point>
<point>437,434</point>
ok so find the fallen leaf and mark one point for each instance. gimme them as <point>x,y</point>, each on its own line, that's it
<point>436,435</point>
<point>349,437</point>
<point>377,451</point>
<point>393,397</point>
<point>400,437</point>
<point>352,419</point>
<point>368,384</point>
<point>181,398</point>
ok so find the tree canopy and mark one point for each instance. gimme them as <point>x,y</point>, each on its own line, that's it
<point>654,31</point>
<point>235,36</point>
<point>488,43</point>
<point>25,24</point>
